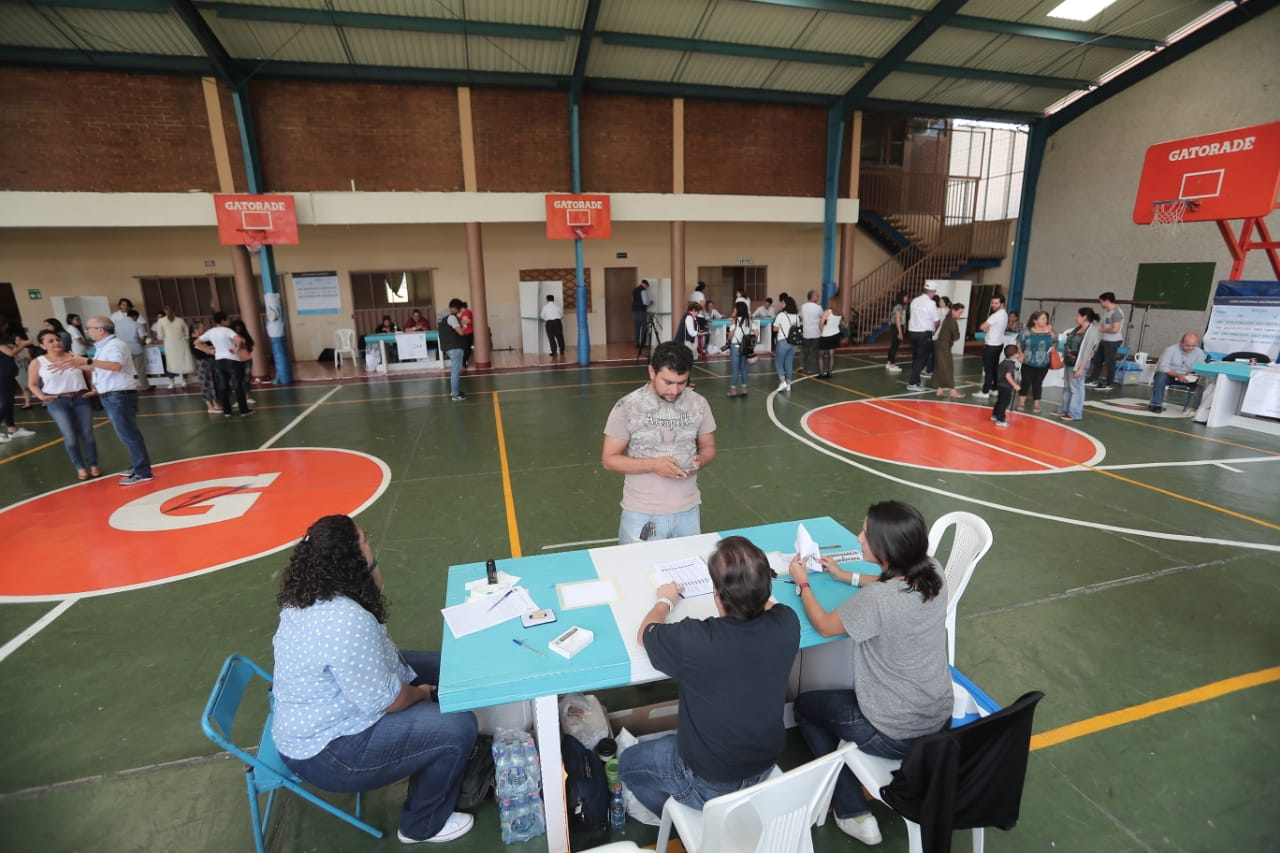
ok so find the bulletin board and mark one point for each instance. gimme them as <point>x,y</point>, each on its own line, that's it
<point>1186,286</point>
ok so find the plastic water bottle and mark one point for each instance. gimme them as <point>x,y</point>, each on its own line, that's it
<point>538,814</point>
<point>517,775</point>
<point>531,764</point>
<point>501,766</point>
<point>505,817</point>
<point>521,821</point>
<point>617,812</point>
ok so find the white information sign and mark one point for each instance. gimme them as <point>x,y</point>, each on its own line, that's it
<point>411,345</point>
<point>316,293</point>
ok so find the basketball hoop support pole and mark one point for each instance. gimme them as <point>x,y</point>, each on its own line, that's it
<point>1239,247</point>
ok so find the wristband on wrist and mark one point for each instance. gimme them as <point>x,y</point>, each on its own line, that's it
<point>802,586</point>
<point>671,605</point>
<point>855,579</point>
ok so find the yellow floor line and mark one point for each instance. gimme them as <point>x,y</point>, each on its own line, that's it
<point>1102,722</point>
<point>513,531</point>
<point>1208,438</point>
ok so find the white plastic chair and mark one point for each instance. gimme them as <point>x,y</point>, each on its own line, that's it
<point>972,541</point>
<point>774,816</point>
<point>345,341</point>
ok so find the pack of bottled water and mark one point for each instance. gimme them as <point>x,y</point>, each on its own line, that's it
<point>519,784</point>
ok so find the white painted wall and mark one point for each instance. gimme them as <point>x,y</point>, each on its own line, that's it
<point>1083,240</point>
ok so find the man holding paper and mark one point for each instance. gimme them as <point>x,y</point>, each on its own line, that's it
<point>659,436</point>
<point>733,671</point>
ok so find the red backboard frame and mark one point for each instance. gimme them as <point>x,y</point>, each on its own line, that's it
<point>578,217</point>
<point>256,220</point>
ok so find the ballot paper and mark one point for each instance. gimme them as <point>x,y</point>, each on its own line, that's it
<point>690,573</point>
<point>807,550</point>
<point>464,619</point>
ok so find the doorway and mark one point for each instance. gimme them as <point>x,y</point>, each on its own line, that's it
<point>619,324</point>
<point>9,305</point>
<point>723,282</point>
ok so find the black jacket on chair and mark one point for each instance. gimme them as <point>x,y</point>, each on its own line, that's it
<point>967,777</point>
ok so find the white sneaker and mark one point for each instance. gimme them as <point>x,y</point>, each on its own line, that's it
<point>893,368</point>
<point>782,385</point>
<point>981,395</point>
<point>915,387</point>
<point>926,373</point>
<point>21,432</point>
<point>458,825</point>
<point>863,828</point>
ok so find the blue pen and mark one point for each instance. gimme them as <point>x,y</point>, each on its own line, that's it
<point>522,644</point>
<point>501,599</point>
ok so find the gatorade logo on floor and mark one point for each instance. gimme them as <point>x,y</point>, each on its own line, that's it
<point>957,437</point>
<point>197,515</point>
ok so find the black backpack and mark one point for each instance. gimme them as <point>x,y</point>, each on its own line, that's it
<point>586,795</point>
<point>478,777</point>
<point>795,334</point>
<point>748,345</point>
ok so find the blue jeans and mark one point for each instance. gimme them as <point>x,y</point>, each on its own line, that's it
<point>74,417</point>
<point>785,360</point>
<point>122,410</point>
<point>738,366</point>
<point>455,371</point>
<point>1072,394</point>
<point>1161,383</point>
<point>825,718</point>
<point>673,526</point>
<point>653,770</point>
<point>429,747</point>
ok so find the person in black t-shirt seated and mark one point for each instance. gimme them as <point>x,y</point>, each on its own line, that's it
<point>733,672</point>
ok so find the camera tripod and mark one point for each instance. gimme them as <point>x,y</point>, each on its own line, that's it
<point>652,332</point>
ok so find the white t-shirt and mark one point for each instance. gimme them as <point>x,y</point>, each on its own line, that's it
<point>924,314</point>
<point>811,319</point>
<point>698,296</point>
<point>996,325</point>
<point>551,311</point>
<point>223,340</point>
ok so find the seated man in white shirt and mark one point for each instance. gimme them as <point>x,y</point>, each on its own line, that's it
<point>1176,367</point>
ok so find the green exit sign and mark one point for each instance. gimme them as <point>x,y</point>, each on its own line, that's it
<point>33,294</point>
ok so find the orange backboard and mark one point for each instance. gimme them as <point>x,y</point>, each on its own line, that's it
<point>573,217</point>
<point>1232,174</point>
<point>256,220</point>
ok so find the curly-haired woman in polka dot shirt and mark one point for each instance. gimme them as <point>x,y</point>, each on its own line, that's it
<point>352,713</point>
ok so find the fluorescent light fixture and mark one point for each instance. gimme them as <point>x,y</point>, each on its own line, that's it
<point>1079,10</point>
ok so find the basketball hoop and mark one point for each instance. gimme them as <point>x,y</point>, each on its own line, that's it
<point>1168,214</point>
<point>253,239</point>
<point>580,233</point>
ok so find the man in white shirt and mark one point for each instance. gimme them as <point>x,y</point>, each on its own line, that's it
<point>994,328</point>
<point>130,333</point>
<point>113,379</point>
<point>1176,367</point>
<point>765,310</point>
<point>811,331</point>
<point>553,318</point>
<point>922,322</point>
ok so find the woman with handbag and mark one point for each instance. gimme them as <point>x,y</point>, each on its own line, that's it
<point>1038,345</point>
<point>944,375</point>
<point>1077,353</point>
<point>789,332</point>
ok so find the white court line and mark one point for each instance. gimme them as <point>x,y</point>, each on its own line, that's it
<point>613,541</point>
<point>1229,468</point>
<point>1221,463</point>
<point>65,604</point>
<point>1029,513</point>
<point>950,432</point>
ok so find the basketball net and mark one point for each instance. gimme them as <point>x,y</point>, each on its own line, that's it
<point>580,233</point>
<point>1167,215</point>
<point>254,239</point>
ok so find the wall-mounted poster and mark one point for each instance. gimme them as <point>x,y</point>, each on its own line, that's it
<point>316,293</point>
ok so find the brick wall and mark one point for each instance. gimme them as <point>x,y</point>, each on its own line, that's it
<point>323,136</point>
<point>522,140</point>
<point>103,132</point>
<point>754,149</point>
<point>625,144</point>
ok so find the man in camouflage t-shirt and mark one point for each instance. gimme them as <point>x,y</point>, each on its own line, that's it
<point>660,436</point>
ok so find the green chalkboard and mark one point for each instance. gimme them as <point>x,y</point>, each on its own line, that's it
<point>1187,286</point>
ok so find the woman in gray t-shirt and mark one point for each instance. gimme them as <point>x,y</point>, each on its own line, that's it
<point>901,685</point>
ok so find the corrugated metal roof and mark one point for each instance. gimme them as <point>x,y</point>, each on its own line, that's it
<point>861,36</point>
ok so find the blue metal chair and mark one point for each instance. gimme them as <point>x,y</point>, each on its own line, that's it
<point>264,771</point>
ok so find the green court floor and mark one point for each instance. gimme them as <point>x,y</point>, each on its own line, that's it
<point>1145,582</point>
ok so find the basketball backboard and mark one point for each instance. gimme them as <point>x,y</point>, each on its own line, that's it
<point>1232,174</point>
<point>578,217</point>
<point>256,220</point>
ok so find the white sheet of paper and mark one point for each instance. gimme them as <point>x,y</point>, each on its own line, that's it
<point>481,588</point>
<point>464,619</point>
<point>587,593</point>
<point>691,573</point>
<point>806,548</point>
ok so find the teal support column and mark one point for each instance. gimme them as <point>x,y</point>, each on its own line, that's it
<point>835,138</point>
<point>584,334</point>
<point>266,257</point>
<point>1022,234</point>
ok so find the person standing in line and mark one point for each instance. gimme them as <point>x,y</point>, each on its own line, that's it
<point>204,371</point>
<point>63,388</point>
<point>922,320</point>
<point>1102,373</point>
<point>659,437</point>
<point>117,386</point>
<point>897,331</point>
<point>993,347</point>
<point>13,341</point>
<point>811,327</point>
<point>689,331</point>
<point>1036,342</point>
<point>553,317</point>
<point>944,377</point>
<point>172,331</point>
<point>129,334</point>
<point>450,329</point>
<point>223,344</point>
<point>733,669</point>
<point>784,353</point>
<point>828,339</point>
<point>1077,351</point>
<point>640,302</point>
<point>739,327</point>
<point>1007,386</point>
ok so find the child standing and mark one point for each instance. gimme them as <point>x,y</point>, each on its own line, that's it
<point>1006,383</point>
